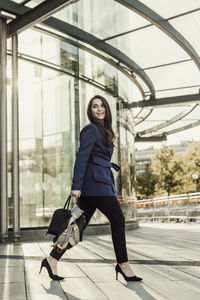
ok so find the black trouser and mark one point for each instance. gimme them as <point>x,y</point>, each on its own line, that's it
<point>110,207</point>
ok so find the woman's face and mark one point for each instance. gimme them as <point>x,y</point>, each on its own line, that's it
<point>98,109</point>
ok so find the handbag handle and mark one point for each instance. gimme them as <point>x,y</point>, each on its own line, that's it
<point>67,202</point>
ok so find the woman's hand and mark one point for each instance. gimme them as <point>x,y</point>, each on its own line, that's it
<point>75,193</point>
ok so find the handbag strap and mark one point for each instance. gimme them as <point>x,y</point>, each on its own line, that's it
<point>67,202</point>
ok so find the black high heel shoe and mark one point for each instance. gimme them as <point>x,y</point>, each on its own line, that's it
<point>47,266</point>
<point>132,278</point>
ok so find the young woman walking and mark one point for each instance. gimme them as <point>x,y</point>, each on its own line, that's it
<point>93,185</point>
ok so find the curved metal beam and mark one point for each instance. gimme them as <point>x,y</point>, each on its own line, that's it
<point>81,35</point>
<point>144,116</point>
<point>58,68</point>
<point>36,15</point>
<point>100,45</point>
<point>194,124</point>
<point>152,138</point>
<point>95,53</point>
<point>176,118</point>
<point>163,25</point>
<point>168,101</point>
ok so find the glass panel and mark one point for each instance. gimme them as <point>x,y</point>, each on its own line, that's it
<point>173,76</point>
<point>30,43</point>
<point>189,24</point>
<point>113,19</point>
<point>127,89</point>
<point>98,70</point>
<point>47,146</point>
<point>47,48</point>
<point>160,115</point>
<point>146,125</point>
<point>186,135</point>
<point>168,8</point>
<point>177,92</point>
<point>194,115</point>
<point>166,113</point>
<point>33,3</point>
<point>147,45</point>
<point>175,125</point>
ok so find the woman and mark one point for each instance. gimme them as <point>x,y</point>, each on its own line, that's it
<point>93,184</point>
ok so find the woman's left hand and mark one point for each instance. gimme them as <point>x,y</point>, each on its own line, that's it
<point>75,193</point>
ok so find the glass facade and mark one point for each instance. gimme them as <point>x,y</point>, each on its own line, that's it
<point>49,125</point>
<point>58,76</point>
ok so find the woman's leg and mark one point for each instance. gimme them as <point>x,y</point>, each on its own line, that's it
<point>55,256</point>
<point>110,207</point>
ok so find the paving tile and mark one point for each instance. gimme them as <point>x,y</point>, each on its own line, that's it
<point>130,291</point>
<point>11,274</point>
<point>11,249</point>
<point>81,288</point>
<point>44,289</point>
<point>173,290</point>
<point>32,250</point>
<point>99,273</point>
<point>193,271</point>
<point>67,270</point>
<point>11,262</point>
<point>89,271</point>
<point>82,253</point>
<point>12,291</point>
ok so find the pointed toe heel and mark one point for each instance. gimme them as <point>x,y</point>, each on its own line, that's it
<point>45,264</point>
<point>132,278</point>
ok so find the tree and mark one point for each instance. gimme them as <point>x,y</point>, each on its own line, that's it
<point>167,166</point>
<point>146,182</point>
<point>191,165</point>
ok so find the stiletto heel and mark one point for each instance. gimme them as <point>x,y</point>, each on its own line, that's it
<point>116,275</point>
<point>132,278</point>
<point>47,266</point>
<point>41,268</point>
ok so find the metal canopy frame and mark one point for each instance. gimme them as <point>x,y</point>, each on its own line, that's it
<point>103,46</point>
<point>100,45</point>
<point>163,136</point>
<point>85,37</point>
<point>153,138</point>
<point>95,53</point>
<point>167,101</point>
<point>36,15</point>
<point>192,125</point>
<point>163,25</point>
<point>169,122</point>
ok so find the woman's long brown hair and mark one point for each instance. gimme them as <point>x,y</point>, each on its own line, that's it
<point>106,129</point>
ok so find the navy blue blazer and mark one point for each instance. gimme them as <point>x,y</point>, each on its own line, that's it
<point>92,168</point>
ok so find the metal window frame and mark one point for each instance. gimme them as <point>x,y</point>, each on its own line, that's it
<point>3,134</point>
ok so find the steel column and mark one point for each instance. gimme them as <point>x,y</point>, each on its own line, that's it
<point>3,134</point>
<point>15,141</point>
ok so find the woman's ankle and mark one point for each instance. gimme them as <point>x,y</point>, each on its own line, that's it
<point>52,260</point>
<point>124,264</point>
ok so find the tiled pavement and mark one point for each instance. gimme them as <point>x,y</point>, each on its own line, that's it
<point>167,256</point>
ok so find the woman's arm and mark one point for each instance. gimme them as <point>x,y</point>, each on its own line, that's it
<point>87,140</point>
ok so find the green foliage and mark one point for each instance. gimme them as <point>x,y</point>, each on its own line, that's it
<point>191,165</point>
<point>146,182</point>
<point>168,168</point>
<point>170,172</point>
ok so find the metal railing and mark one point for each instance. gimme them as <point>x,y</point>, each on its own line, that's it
<point>182,207</point>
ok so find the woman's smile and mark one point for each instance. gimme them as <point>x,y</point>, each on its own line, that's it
<point>98,109</point>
